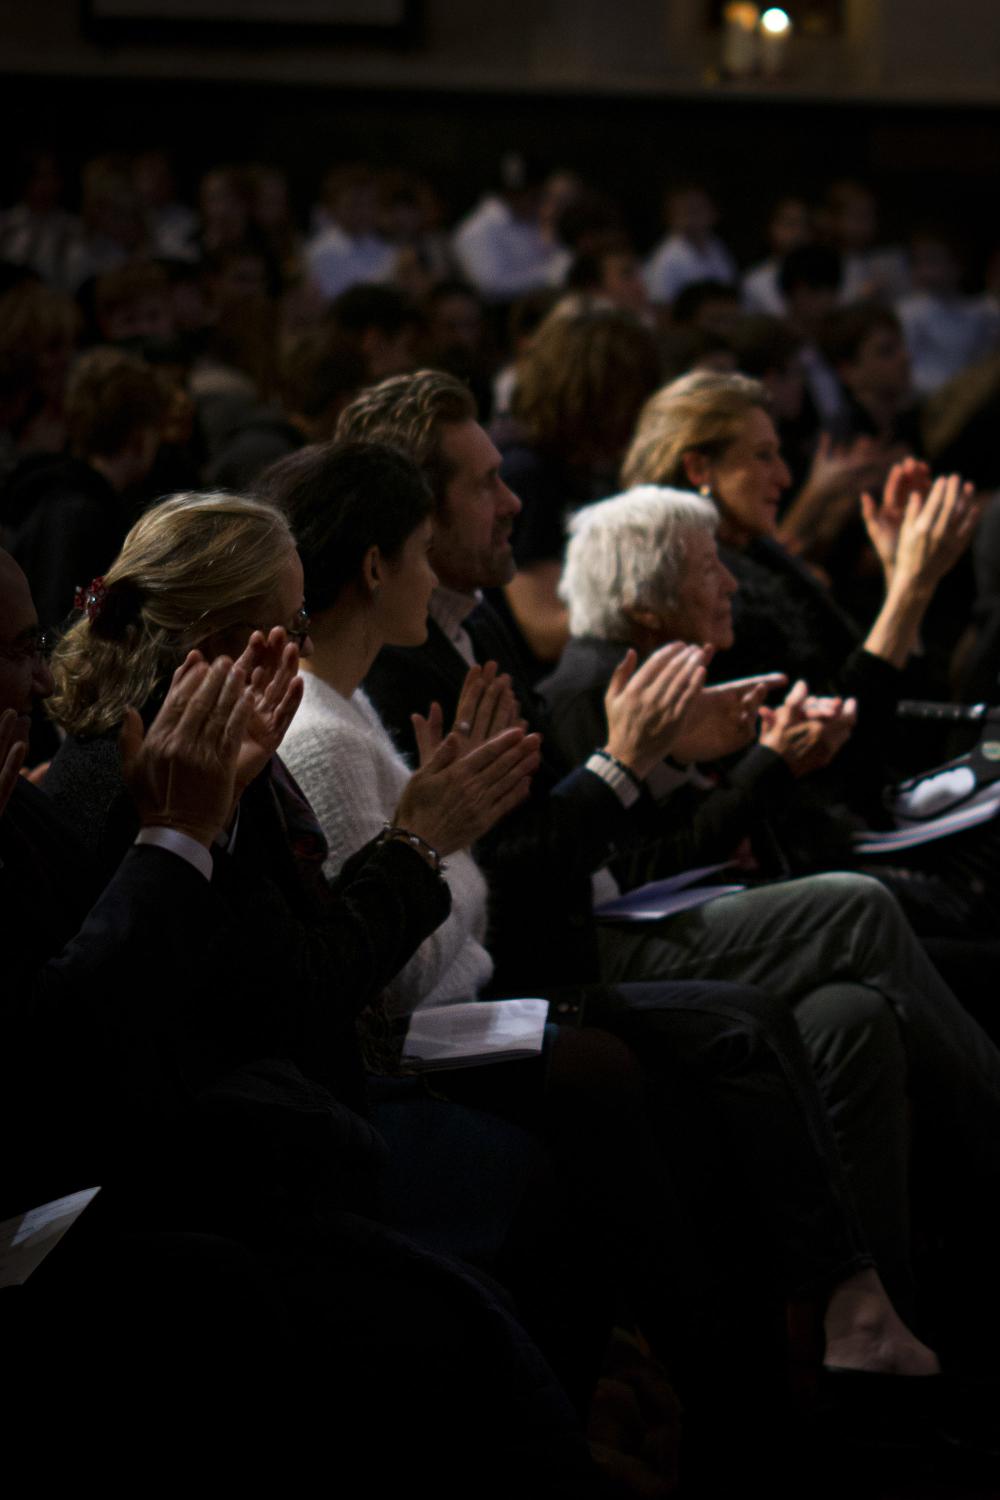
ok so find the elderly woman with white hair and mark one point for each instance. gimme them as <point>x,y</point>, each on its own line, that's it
<point>642,569</point>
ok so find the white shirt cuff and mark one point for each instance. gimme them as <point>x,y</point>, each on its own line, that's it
<point>181,844</point>
<point>620,782</point>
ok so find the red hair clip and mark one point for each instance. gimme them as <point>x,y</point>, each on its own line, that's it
<point>91,599</point>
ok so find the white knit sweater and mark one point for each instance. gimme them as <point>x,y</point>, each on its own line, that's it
<point>342,757</point>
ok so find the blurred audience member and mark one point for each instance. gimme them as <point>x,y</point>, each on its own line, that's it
<point>507,246</point>
<point>810,281</point>
<point>524,319</point>
<point>580,387</point>
<point>37,231</point>
<point>66,514</point>
<point>690,251</point>
<point>272,219</point>
<point>349,249</point>
<point>864,345</point>
<point>319,372</point>
<point>114,222</point>
<point>849,218</point>
<point>173,226</point>
<point>708,306</point>
<point>457,338</point>
<point>789,226</point>
<point>410,215</point>
<point>240,273</point>
<point>224,207</point>
<point>382,326</point>
<point>945,331</point>
<point>133,303</point>
<point>609,272</point>
<point>39,328</point>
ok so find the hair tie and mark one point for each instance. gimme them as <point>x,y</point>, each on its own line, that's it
<point>91,599</point>
<point>110,607</point>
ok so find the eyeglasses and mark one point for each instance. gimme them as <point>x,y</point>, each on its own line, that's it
<point>33,645</point>
<point>298,631</point>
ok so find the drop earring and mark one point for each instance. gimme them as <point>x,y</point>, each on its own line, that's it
<point>705,490</point>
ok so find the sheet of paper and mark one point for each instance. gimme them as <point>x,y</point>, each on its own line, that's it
<point>933,795</point>
<point>28,1239</point>
<point>659,899</point>
<point>470,1034</point>
<point>915,834</point>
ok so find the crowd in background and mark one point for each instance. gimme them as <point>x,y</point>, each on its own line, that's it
<point>241,329</point>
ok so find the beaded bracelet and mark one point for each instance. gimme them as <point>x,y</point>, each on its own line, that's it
<point>423,848</point>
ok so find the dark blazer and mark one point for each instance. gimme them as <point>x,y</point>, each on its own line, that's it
<point>319,952</point>
<point>84,994</point>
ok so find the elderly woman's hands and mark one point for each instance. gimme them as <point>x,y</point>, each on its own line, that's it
<point>723,719</point>
<point>486,707</point>
<point>807,732</point>
<point>457,797</point>
<point>646,706</point>
<point>181,772</point>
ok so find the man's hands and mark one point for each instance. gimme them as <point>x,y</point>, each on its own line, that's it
<point>456,796</point>
<point>12,752</point>
<point>807,732</point>
<point>646,706</point>
<point>722,719</point>
<point>487,706</point>
<point>182,771</point>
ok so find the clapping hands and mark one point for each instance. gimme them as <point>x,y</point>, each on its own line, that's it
<point>457,795</point>
<point>486,707</point>
<point>807,732</point>
<point>723,719</point>
<point>181,772</point>
<point>646,705</point>
<point>270,665</point>
<point>922,527</point>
